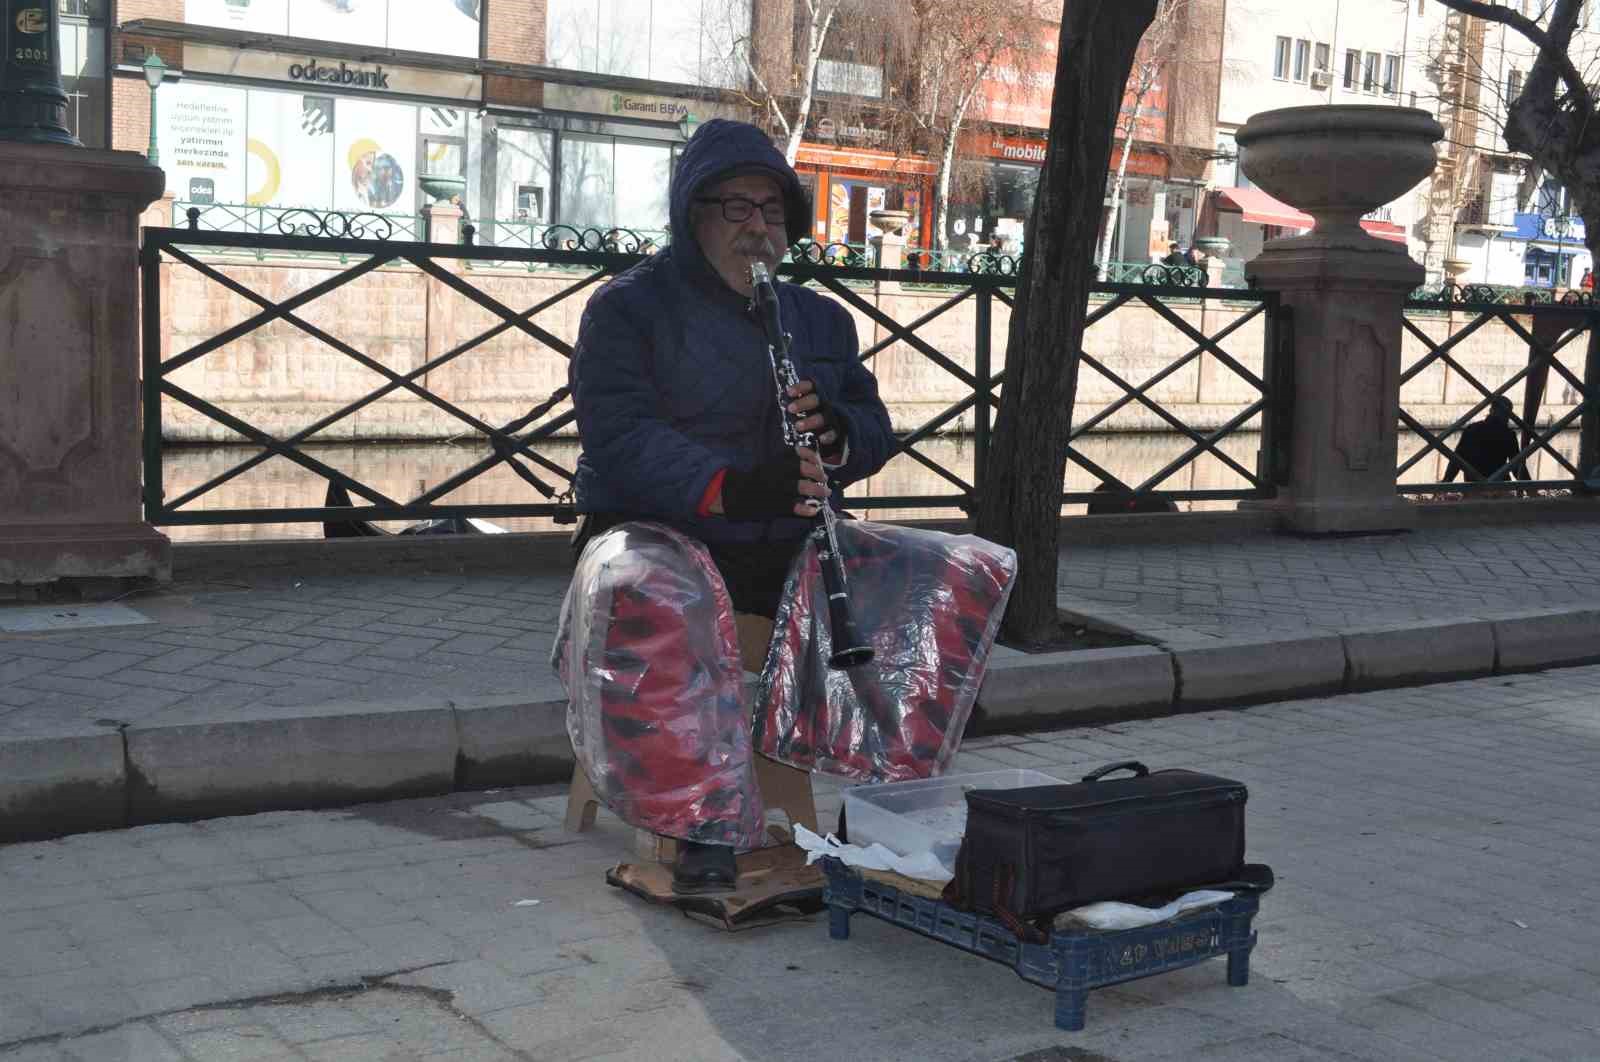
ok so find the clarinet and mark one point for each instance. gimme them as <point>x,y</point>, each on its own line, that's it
<point>849,648</point>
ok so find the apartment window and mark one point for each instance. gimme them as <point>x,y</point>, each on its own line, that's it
<point>1324,58</point>
<point>1280,59</point>
<point>1369,73</point>
<point>1513,85</point>
<point>1352,70</point>
<point>1302,59</point>
<point>1391,75</point>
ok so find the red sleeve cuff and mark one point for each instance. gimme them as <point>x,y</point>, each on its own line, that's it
<point>713,489</point>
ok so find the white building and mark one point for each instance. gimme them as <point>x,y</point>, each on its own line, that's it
<point>1299,53</point>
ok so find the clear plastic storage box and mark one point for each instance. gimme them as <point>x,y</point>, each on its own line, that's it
<point>928,815</point>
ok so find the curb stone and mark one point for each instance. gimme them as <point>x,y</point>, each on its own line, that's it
<point>1242,671</point>
<point>351,753</point>
<point>1416,652</point>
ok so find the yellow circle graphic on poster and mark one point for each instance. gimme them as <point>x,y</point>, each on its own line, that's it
<point>375,175</point>
<point>267,191</point>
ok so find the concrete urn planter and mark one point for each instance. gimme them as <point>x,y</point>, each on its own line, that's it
<point>1338,163</point>
<point>891,222</point>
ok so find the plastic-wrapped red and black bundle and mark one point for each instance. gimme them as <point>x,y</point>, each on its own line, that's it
<point>657,713</point>
<point>648,652</point>
<point>930,604</point>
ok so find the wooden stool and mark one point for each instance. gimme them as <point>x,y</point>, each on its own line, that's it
<point>783,787</point>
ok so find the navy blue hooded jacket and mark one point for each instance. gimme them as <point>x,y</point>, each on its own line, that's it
<point>670,375</point>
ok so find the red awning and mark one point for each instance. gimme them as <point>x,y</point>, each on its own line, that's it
<point>1385,230</point>
<point>1259,207</point>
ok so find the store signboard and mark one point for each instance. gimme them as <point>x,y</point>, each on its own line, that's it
<point>443,27</point>
<point>631,104</point>
<point>308,71</point>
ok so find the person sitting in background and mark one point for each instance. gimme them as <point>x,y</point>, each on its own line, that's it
<point>1488,446</point>
<point>1174,256</point>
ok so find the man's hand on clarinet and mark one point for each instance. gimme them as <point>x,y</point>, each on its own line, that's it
<point>818,417</point>
<point>793,484</point>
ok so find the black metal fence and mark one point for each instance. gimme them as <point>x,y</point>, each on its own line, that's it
<point>1552,385</point>
<point>1258,357</point>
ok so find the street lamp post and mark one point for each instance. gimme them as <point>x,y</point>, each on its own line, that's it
<point>154,71</point>
<point>33,105</point>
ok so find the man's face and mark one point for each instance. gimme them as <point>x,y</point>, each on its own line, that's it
<point>730,246</point>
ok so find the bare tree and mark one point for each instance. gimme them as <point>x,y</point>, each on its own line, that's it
<point>961,54</point>
<point>1021,502</point>
<point>1159,54</point>
<point>780,45</point>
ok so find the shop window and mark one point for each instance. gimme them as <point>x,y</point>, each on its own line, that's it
<point>444,141</point>
<point>593,197</point>
<point>522,183</point>
<point>693,42</point>
<point>83,69</point>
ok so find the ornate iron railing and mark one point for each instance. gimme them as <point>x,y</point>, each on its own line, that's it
<point>298,221</point>
<point>1552,332</point>
<point>526,442</point>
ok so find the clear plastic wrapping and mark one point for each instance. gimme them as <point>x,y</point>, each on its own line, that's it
<point>649,656</point>
<point>930,604</point>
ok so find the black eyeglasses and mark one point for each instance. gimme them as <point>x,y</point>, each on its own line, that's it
<point>737,208</point>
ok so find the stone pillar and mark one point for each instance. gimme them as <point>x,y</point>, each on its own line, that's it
<point>69,366</point>
<point>1346,289</point>
<point>444,222</point>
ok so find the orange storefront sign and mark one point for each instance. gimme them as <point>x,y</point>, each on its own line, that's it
<point>1031,149</point>
<point>882,161</point>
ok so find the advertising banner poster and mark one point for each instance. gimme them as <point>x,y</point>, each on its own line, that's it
<point>444,27</point>
<point>201,131</point>
<point>290,150</point>
<point>374,152</point>
<point>256,16</point>
<point>345,21</point>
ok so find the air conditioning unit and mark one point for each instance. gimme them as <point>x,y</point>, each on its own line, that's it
<point>1321,79</point>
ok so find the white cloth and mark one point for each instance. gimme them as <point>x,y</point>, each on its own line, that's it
<point>873,857</point>
<point>1109,915</point>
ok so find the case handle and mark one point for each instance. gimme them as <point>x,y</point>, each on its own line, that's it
<point>1139,770</point>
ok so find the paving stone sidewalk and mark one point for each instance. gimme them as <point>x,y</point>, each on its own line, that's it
<point>1433,846</point>
<point>276,645</point>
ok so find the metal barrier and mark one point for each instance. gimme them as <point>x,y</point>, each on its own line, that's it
<point>1550,328</point>
<point>592,256</point>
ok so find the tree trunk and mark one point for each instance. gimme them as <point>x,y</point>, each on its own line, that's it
<point>1021,501</point>
<point>941,190</point>
<point>1116,202</point>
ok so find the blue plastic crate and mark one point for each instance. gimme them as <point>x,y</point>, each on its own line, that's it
<point>1072,961</point>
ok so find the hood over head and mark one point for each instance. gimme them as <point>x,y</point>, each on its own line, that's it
<point>718,150</point>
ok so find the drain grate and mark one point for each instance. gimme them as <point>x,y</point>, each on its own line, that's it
<point>33,619</point>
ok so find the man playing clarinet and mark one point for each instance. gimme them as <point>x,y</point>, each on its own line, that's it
<point>718,412</point>
<point>678,411</point>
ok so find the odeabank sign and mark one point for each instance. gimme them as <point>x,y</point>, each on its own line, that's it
<point>342,74</point>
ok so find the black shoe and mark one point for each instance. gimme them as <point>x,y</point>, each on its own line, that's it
<point>703,868</point>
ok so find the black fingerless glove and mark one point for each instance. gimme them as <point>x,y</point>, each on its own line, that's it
<point>764,492</point>
<point>831,421</point>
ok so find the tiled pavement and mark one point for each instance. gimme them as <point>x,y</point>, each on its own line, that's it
<point>276,645</point>
<point>1437,882</point>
